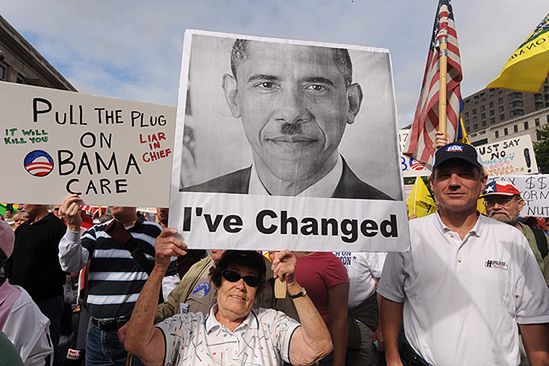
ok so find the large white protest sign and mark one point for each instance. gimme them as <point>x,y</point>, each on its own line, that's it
<point>509,157</point>
<point>534,190</point>
<point>286,144</point>
<point>110,151</point>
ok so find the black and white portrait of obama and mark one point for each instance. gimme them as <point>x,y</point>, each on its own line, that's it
<point>294,103</point>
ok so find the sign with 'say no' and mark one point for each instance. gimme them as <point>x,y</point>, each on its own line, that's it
<point>109,151</point>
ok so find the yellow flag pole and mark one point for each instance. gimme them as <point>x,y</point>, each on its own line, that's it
<point>443,70</point>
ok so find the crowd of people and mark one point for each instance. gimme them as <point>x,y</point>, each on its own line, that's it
<point>471,289</point>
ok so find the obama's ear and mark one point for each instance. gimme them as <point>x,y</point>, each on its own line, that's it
<point>354,97</point>
<point>230,88</point>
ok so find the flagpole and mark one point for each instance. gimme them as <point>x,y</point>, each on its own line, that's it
<point>443,70</point>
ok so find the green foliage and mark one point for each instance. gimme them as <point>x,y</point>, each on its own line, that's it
<point>541,148</point>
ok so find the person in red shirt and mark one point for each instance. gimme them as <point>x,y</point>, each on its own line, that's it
<point>325,279</point>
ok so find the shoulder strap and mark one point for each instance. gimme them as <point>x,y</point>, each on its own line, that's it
<point>137,253</point>
<point>541,241</point>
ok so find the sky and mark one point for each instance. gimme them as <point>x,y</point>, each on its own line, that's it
<point>131,49</point>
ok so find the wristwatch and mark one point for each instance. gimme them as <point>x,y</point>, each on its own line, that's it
<point>301,293</point>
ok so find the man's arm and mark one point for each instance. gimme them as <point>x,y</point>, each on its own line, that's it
<point>339,331</point>
<point>311,341</point>
<point>391,322</point>
<point>142,338</point>
<point>72,256</point>
<point>170,307</point>
<point>536,342</point>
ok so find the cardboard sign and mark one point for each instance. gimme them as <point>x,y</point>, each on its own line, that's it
<point>109,151</point>
<point>286,144</point>
<point>509,157</point>
<point>534,190</point>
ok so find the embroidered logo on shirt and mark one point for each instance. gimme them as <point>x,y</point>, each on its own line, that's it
<point>497,264</point>
<point>201,289</point>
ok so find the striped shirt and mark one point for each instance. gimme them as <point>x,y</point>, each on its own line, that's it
<point>115,279</point>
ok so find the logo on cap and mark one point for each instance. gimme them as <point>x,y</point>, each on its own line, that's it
<point>38,163</point>
<point>454,148</point>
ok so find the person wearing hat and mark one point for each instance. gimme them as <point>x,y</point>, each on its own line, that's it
<point>467,284</point>
<point>233,332</point>
<point>20,319</point>
<point>504,203</point>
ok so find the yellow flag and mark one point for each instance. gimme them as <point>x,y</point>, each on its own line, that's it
<point>419,202</point>
<point>527,68</point>
<point>481,207</point>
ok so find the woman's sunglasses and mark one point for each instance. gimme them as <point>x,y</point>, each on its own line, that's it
<point>232,276</point>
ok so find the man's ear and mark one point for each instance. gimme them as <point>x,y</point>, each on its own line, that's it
<point>230,88</point>
<point>354,97</point>
<point>521,204</point>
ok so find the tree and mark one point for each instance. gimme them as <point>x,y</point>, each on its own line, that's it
<point>541,149</point>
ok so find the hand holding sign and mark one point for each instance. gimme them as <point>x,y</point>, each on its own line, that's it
<point>168,244</point>
<point>70,210</point>
<point>283,267</point>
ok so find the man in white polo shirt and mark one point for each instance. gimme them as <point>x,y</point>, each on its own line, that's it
<point>467,284</point>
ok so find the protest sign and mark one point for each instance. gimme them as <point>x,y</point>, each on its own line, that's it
<point>286,144</point>
<point>534,190</point>
<point>509,157</point>
<point>109,151</point>
<point>410,167</point>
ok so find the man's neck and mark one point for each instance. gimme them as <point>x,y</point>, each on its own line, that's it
<point>126,221</point>
<point>39,216</point>
<point>279,187</point>
<point>460,222</point>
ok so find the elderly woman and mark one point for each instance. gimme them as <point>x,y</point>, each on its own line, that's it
<point>233,332</point>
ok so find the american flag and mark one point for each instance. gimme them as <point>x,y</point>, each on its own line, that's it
<point>425,125</point>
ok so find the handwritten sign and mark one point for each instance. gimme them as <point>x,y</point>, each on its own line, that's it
<point>534,190</point>
<point>509,157</point>
<point>109,151</point>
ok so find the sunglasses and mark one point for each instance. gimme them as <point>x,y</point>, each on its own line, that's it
<point>232,276</point>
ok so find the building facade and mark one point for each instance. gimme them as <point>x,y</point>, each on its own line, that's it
<point>21,63</point>
<point>490,107</point>
<point>523,125</point>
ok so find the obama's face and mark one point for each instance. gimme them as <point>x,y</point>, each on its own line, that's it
<point>294,103</point>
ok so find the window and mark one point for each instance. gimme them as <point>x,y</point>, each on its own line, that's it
<point>537,121</point>
<point>2,72</point>
<point>517,103</point>
<point>548,118</point>
<point>526,125</point>
<point>505,131</point>
<point>475,118</point>
<point>20,79</point>
<point>492,120</point>
<point>501,109</point>
<point>483,116</point>
<point>500,100</point>
<point>492,112</point>
<point>475,127</point>
<point>538,97</point>
<point>497,134</point>
<point>491,104</point>
<point>474,111</point>
<point>538,105</point>
<point>466,114</point>
<point>502,117</point>
<point>483,123</point>
<point>515,128</point>
<point>517,112</point>
<point>515,96</point>
<point>482,108</point>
